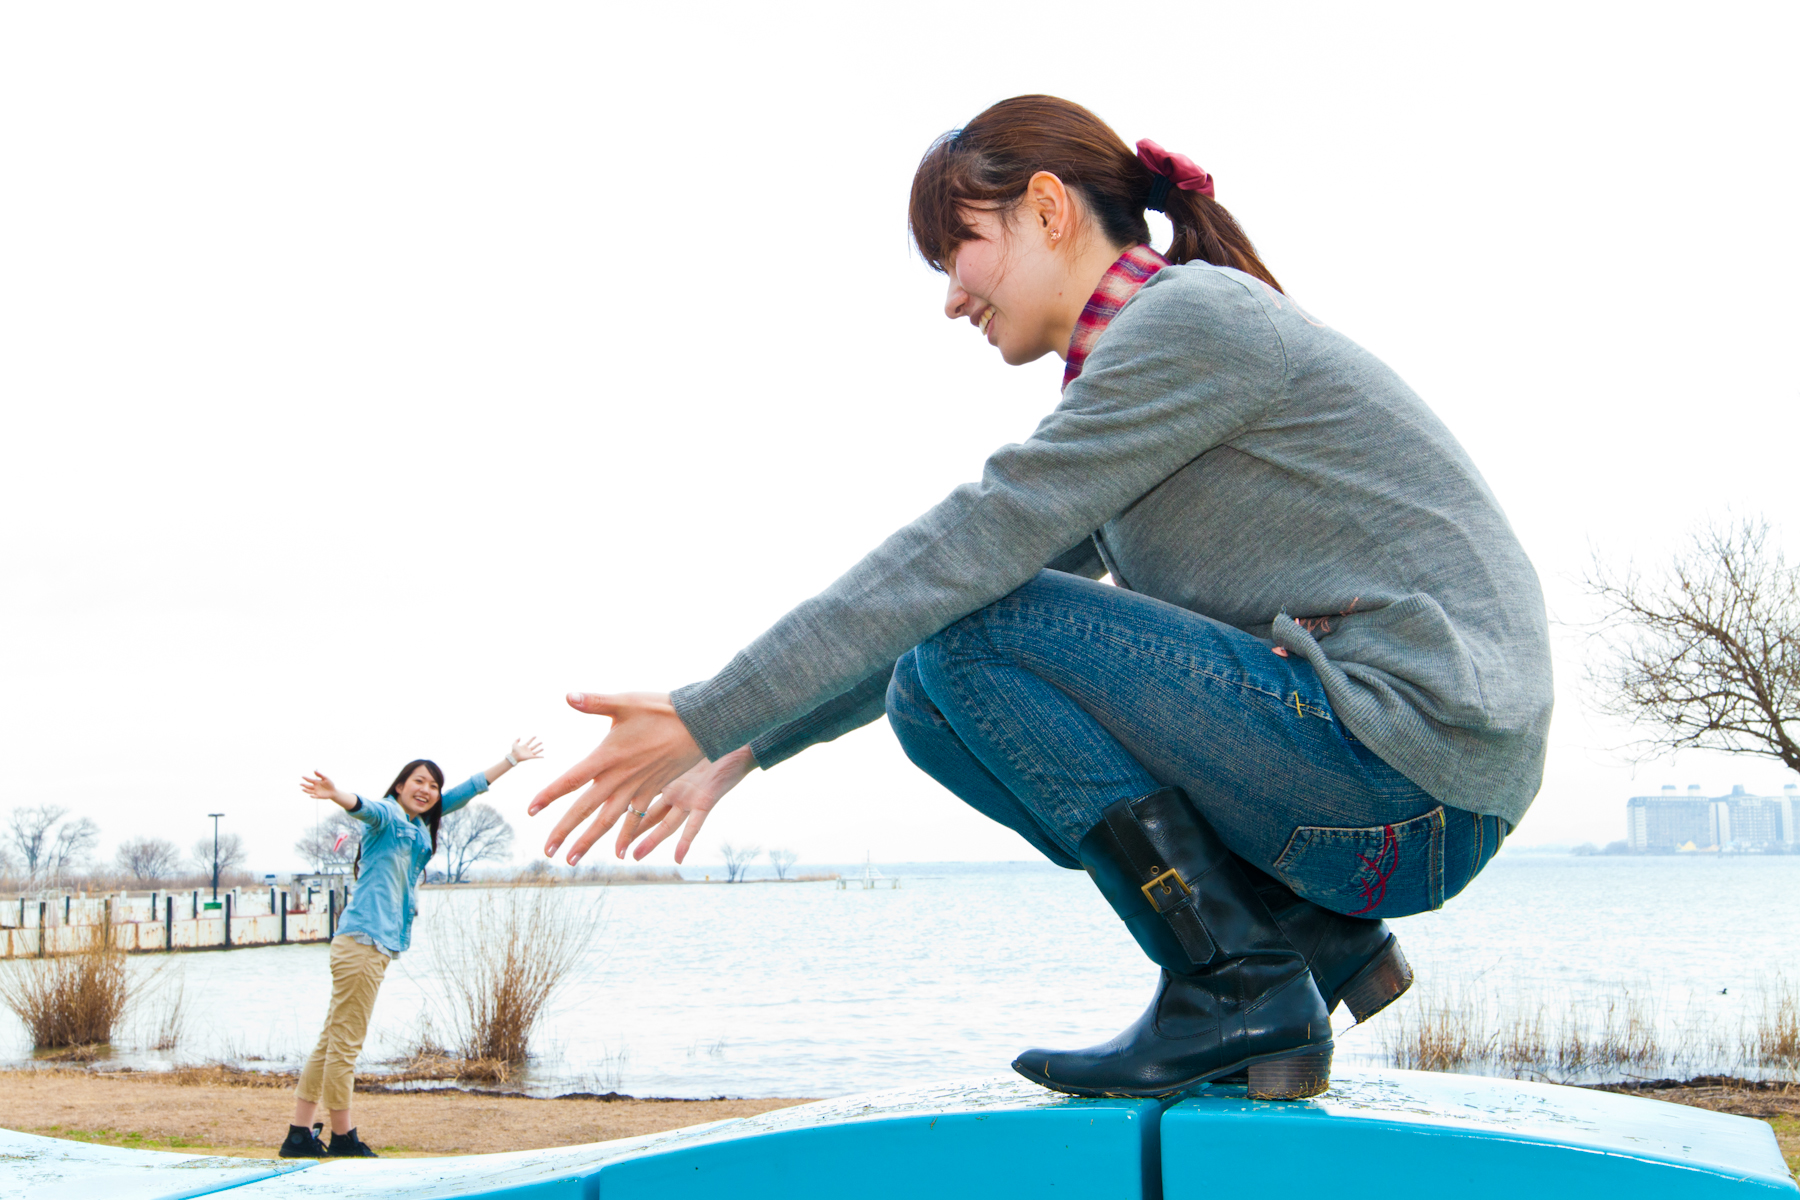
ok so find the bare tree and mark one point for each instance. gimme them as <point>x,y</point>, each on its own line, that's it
<point>330,845</point>
<point>28,834</point>
<point>781,860</point>
<point>231,853</point>
<point>738,860</point>
<point>1707,653</point>
<point>148,860</point>
<point>472,835</point>
<point>47,843</point>
<point>69,849</point>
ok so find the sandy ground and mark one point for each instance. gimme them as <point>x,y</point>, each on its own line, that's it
<point>212,1116</point>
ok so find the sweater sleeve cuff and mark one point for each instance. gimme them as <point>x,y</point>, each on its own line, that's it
<point>865,702</point>
<point>729,710</point>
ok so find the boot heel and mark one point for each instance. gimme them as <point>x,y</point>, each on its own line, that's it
<point>1293,1078</point>
<point>1378,984</point>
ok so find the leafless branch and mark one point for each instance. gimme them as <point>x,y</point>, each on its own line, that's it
<point>1706,655</point>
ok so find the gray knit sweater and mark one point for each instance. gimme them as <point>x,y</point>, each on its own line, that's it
<point>1223,451</point>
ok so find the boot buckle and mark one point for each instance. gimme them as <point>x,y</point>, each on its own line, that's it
<point>1162,887</point>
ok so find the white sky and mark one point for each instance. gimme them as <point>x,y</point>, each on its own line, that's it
<point>373,375</point>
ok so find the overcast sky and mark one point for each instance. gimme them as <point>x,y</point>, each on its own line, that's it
<point>374,375</point>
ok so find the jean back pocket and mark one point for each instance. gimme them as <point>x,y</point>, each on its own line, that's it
<point>1375,871</point>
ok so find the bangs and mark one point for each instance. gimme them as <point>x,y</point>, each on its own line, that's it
<point>947,182</point>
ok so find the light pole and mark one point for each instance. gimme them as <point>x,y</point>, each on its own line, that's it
<point>215,820</point>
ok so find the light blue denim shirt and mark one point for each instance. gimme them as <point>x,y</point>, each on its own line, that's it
<point>395,848</point>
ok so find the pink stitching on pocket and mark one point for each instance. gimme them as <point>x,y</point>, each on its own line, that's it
<point>1374,884</point>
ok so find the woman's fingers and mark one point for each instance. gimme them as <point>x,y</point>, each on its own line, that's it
<point>597,799</point>
<point>597,703</point>
<point>671,821</point>
<point>695,820</point>
<point>633,825</point>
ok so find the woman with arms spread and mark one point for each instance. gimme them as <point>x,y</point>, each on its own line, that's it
<point>400,834</point>
<point>1317,694</point>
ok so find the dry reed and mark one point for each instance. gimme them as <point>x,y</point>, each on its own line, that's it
<point>1777,1033</point>
<point>73,1002</point>
<point>171,1026</point>
<point>1612,1035</point>
<point>502,959</point>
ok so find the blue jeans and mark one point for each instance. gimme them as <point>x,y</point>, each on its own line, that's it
<point>1067,696</point>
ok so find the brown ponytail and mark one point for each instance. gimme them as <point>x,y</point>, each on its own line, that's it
<point>989,162</point>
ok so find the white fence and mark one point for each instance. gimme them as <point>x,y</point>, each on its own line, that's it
<point>60,923</point>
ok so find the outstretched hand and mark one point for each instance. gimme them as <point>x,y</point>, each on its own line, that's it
<point>527,748</point>
<point>319,786</point>
<point>647,749</point>
<point>688,800</point>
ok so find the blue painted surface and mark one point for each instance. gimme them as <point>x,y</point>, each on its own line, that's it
<point>1394,1133</point>
<point>41,1168</point>
<point>1375,1134</point>
<point>991,1139</point>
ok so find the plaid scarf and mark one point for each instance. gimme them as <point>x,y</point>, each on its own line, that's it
<point>1119,284</point>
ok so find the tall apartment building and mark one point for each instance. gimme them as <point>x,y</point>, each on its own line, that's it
<point>1739,821</point>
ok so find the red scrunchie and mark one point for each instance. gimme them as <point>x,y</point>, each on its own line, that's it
<point>1180,170</point>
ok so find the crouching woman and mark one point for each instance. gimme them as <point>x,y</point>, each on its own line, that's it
<point>399,838</point>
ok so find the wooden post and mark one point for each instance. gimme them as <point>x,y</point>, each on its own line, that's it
<point>169,924</point>
<point>196,901</point>
<point>228,920</point>
<point>66,900</point>
<point>284,907</point>
<point>43,949</point>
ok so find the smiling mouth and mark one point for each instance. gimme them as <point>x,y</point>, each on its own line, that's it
<point>985,318</point>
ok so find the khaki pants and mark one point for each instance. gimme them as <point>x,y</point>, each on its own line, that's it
<point>330,1074</point>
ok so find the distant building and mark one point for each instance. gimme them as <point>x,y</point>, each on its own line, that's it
<point>1672,821</point>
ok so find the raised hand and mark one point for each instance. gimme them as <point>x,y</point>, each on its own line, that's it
<point>688,799</point>
<point>647,749</point>
<point>526,748</point>
<point>319,786</point>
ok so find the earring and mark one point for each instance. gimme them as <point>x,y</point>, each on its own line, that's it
<point>1055,233</point>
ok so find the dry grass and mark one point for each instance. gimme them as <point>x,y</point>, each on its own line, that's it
<point>502,960</point>
<point>1777,1033</point>
<point>1613,1036</point>
<point>170,1028</point>
<point>73,1002</point>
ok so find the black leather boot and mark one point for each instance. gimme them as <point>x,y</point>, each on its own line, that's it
<point>1354,960</point>
<point>1235,995</point>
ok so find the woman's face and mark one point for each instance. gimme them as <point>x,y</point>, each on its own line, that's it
<point>419,792</point>
<point>1010,285</point>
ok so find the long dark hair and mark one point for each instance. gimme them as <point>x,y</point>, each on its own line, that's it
<point>433,815</point>
<point>989,162</point>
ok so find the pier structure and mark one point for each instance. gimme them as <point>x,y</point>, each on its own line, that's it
<point>46,924</point>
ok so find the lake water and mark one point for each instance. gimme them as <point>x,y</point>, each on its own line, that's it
<point>803,989</point>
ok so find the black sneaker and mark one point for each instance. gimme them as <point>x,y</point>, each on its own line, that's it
<point>303,1143</point>
<point>348,1145</point>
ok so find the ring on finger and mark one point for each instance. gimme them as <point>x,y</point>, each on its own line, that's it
<point>634,812</point>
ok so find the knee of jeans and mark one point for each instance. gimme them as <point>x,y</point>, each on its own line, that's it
<point>908,707</point>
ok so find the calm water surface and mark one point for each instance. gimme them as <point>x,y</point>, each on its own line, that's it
<point>802,989</point>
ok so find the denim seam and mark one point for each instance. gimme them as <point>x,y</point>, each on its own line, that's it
<point>1192,666</point>
<point>1016,758</point>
